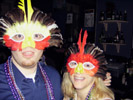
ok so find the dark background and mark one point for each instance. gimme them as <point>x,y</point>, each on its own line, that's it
<point>119,62</point>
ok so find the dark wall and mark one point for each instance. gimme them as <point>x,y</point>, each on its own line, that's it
<point>127,28</point>
<point>43,5</point>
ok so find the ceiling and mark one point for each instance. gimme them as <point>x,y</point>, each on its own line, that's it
<point>88,2</point>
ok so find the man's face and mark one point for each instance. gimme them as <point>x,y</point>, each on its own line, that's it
<point>27,57</point>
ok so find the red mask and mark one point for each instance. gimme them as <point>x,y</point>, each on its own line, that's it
<point>80,62</point>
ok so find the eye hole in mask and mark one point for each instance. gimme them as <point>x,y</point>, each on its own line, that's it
<point>17,37</point>
<point>88,65</point>
<point>38,37</point>
<point>73,64</point>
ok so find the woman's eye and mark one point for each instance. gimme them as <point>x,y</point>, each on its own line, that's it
<point>88,65</point>
<point>38,37</point>
<point>18,37</point>
<point>73,64</point>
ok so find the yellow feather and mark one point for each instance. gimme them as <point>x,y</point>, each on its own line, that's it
<point>30,10</point>
<point>21,5</point>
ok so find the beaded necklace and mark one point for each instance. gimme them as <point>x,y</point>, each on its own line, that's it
<point>89,94</point>
<point>17,94</point>
<point>88,97</point>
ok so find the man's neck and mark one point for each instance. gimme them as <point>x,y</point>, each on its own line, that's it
<point>26,71</point>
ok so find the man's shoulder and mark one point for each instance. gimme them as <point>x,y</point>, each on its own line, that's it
<point>2,67</point>
<point>2,64</point>
<point>50,70</point>
<point>2,74</point>
<point>55,80</point>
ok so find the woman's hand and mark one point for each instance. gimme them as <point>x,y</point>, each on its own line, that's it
<point>107,81</point>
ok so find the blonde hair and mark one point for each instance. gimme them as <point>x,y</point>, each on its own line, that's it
<point>67,86</point>
<point>99,92</point>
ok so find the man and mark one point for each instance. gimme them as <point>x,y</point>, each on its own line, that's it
<point>27,32</point>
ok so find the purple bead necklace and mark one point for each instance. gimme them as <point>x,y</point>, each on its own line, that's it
<point>48,84</point>
<point>89,94</point>
<point>17,94</point>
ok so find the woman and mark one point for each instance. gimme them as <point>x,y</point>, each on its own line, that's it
<point>86,70</point>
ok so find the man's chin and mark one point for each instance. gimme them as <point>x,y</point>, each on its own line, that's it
<point>28,64</point>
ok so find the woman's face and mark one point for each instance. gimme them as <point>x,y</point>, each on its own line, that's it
<point>82,63</point>
<point>81,81</point>
<point>82,69</point>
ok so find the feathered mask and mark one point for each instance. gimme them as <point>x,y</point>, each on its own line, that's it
<point>86,58</point>
<point>29,28</point>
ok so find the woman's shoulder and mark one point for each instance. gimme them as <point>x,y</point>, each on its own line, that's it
<point>67,98</point>
<point>107,98</point>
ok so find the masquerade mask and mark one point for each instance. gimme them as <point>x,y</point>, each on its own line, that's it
<point>27,33</point>
<point>81,62</point>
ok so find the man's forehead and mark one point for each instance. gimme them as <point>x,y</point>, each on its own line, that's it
<point>28,29</point>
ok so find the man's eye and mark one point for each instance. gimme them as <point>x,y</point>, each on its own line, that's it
<point>38,37</point>
<point>88,65</point>
<point>18,37</point>
<point>73,64</point>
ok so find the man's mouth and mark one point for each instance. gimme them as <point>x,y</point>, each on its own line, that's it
<point>28,54</point>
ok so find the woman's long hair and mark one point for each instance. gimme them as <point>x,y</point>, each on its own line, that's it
<point>100,90</point>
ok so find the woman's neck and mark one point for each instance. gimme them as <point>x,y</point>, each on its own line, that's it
<point>82,93</point>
